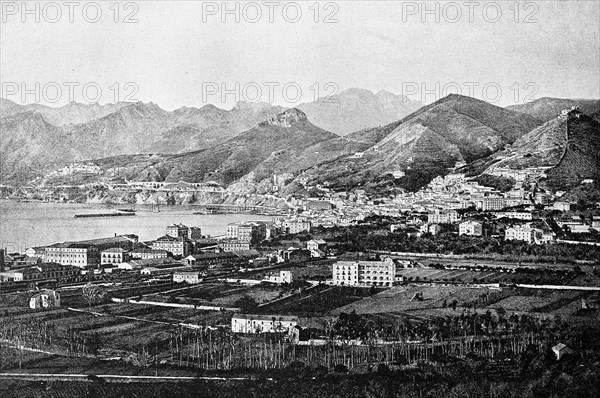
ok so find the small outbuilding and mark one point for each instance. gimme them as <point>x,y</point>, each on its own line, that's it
<point>561,350</point>
<point>44,299</point>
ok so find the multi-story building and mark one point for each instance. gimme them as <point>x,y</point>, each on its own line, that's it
<point>491,203</point>
<point>176,246</point>
<point>245,323</point>
<point>114,255</point>
<point>442,217</point>
<point>234,245</point>
<point>252,231</point>
<point>296,226</point>
<point>519,215</point>
<point>183,231</point>
<point>81,255</point>
<point>147,254</point>
<point>472,228</point>
<point>364,273</point>
<point>525,234</point>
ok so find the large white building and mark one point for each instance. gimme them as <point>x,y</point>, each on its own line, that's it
<point>364,273</point>
<point>243,323</point>
<point>251,231</point>
<point>442,217</point>
<point>472,228</point>
<point>77,254</point>
<point>525,234</point>
<point>295,226</point>
<point>492,203</point>
<point>183,231</point>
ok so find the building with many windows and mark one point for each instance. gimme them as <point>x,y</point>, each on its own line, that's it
<point>147,254</point>
<point>442,217</point>
<point>525,234</point>
<point>472,228</point>
<point>491,203</point>
<point>364,273</point>
<point>114,255</point>
<point>245,323</point>
<point>295,226</point>
<point>234,245</point>
<point>183,231</point>
<point>176,246</point>
<point>251,231</point>
<point>81,255</point>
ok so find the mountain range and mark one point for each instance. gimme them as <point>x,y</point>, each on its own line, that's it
<point>252,147</point>
<point>97,131</point>
<point>356,109</point>
<point>452,131</point>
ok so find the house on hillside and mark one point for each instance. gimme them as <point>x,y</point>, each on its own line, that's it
<point>45,299</point>
<point>316,244</point>
<point>283,277</point>
<point>561,350</point>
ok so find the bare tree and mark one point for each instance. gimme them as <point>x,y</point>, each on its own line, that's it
<point>91,293</point>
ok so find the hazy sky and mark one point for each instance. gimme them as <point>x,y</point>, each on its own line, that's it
<point>181,53</point>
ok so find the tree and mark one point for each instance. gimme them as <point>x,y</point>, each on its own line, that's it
<point>91,294</point>
<point>246,304</point>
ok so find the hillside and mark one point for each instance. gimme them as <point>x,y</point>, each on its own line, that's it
<point>428,142</point>
<point>567,145</point>
<point>285,143</point>
<point>547,108</point>
<point>356,109</point>
<point>580,160</point>
<point>289,131</point>
<point>25,143</point>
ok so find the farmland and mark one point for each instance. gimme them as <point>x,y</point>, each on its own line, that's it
<point>486,276</point>
<point>171,338</point>
<point>438,300</point>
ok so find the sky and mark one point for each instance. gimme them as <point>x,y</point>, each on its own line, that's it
<point>191,53</point>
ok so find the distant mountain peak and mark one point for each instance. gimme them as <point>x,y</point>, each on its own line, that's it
<point>288,118</point>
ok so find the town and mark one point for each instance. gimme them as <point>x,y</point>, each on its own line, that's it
<point>343,281</point>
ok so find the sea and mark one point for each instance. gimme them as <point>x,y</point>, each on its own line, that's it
<point>28,224</point>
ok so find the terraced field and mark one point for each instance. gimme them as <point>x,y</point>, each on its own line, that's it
<point>399,299</point>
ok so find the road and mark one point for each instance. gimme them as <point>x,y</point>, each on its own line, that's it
<point>115,378</point>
